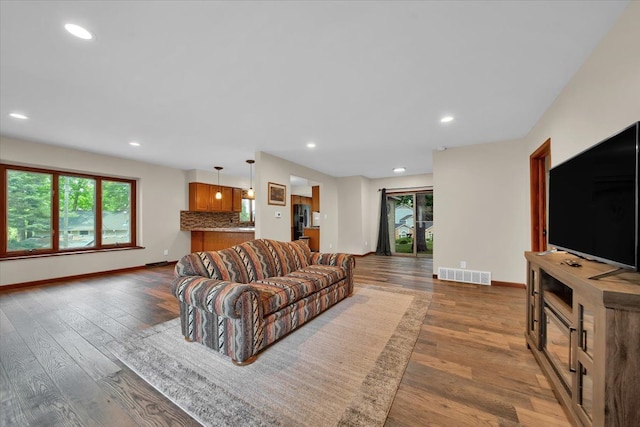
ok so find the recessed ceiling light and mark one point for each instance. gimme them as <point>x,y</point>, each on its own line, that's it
<point>78,31</point>
<point>134,143</point>
<point>18,116</point>
<point>446,119</point>
<point>399,170</point>
<point>311,144</point>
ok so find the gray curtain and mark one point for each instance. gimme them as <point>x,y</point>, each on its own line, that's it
<point>384,246</point>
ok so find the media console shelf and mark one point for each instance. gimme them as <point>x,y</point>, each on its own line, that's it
<point>585,335</point>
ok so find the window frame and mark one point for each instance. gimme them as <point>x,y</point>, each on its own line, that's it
<point>55,212</point>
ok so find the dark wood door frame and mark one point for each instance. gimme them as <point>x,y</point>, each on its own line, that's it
<point>539,162</point>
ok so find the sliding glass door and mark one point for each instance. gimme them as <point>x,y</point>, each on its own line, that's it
<point>411,223</point>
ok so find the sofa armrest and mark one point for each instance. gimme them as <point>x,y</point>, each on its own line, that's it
<point>220,297</point>
<point>346,261</point>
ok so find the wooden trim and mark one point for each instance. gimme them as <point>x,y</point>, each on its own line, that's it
<point>508,284</point>
<point>54,232</point>
<point>493,283</point>
<point>3,209</point>
<point>55,212</point>
<point>69,252</point>
<point>363,255</point>
<point>57,280</point>
<point>538,194</point>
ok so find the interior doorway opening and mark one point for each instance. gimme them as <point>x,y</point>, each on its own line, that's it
<point>411,226</point>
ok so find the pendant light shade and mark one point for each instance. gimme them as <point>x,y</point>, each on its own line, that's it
<point>251,193</point>
<point>218,193</point>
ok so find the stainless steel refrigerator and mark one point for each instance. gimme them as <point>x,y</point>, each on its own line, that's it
<point>301,219</point>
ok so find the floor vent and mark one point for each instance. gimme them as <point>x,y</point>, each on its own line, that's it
<point>466,276</point>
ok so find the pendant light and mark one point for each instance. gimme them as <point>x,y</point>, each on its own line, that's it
<point>251,193</point>
<point>218,194</point>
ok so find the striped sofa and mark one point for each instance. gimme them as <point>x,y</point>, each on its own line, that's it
<point>239,300</point>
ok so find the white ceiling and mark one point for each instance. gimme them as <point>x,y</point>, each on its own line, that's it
<point>202,83</point>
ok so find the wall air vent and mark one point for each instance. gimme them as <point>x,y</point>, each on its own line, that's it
<point>463,275</point>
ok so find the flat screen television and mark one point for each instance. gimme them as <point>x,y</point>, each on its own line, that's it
<point>593,202</point>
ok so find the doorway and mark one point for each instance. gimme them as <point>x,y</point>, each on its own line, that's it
<point>539,165</point>
<point>411,223</point>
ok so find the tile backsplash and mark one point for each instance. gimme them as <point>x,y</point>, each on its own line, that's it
<point>190,220</point>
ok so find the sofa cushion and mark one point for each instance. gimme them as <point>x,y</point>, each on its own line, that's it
<point>278,292</point>
<point>222,265</point>
<point>265,258</point>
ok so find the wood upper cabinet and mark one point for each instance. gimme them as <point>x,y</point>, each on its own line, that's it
<point>226,203</point>
<point>315,198</point>
<point>202,197</point>
<point>199,195</point>
<point>237,199</point>
<point>215,205</point>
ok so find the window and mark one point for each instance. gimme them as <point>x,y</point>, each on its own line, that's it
<point>248,213</point>
<point>48,211</point>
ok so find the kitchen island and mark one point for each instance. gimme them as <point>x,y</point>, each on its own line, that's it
<point>215,239</point>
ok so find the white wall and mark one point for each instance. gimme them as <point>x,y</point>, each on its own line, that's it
<point>211,177</point>
<point>162,193</point>
<point>480,208</point>
<point>602,98</point>
<point>352,232</point>
<point>492,180</point>
<point>349,206</point>
<point>270,168</point>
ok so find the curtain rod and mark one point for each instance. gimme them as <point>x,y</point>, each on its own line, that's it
<point>424,187</point>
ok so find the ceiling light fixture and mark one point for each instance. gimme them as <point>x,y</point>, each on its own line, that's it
<point>78,31</point>
<point>446,119</point>
<point>134,143</point>
<point>18,116</point>
<point>399,170</point>
<point>311,144</point>
<point>218,193</point>
<point>251,193</point>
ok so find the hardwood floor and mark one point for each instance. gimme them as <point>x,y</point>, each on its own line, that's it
<point>470,365</point>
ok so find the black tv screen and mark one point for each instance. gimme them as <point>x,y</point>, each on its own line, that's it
<point>593,201</point>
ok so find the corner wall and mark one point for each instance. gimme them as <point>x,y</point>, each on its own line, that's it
<point>482,192</point>
<point>601,99</point>
<point>162,194</point>
<point>480,208</point>
<point>269,168</point>
<point>352,225</point>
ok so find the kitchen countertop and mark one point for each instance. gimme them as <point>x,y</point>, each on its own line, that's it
<point>226,229</point>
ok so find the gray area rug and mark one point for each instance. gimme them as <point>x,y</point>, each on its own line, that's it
<point>341,368</point>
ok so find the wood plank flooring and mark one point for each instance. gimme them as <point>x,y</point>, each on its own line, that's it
<point>470,365</point>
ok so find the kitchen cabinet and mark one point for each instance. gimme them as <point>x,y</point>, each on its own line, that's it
<point>226,203</point>
<point>314,238</point>
<point>199,195</point>
<point>202,197</point>
<point>217,240</point>
<point>315,198</point>
<point>237,200</point>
